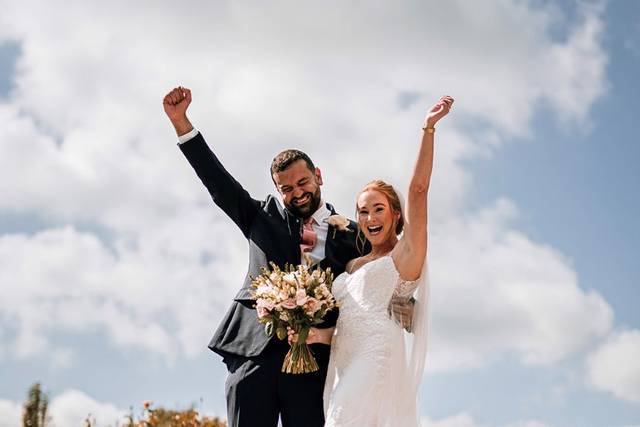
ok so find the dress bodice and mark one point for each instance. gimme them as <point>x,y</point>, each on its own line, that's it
<point>366,343</point>
<point>375,284</point>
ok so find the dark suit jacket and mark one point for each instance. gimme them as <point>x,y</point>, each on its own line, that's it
<point>273,234</point>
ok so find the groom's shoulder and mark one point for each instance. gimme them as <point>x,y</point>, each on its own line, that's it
<point>271,200</point>
<point>272,204</point>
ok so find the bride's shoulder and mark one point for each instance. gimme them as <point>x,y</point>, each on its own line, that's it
<point>349,267</point>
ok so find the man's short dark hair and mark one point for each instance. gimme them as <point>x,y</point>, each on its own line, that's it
<point>285,158</point>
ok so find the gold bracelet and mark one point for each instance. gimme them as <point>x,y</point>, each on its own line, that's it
<point>428,129</point>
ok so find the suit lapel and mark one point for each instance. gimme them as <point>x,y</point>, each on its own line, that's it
<point>330,243</point>
<point>293,225</point>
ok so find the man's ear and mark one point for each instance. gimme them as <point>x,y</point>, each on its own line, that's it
<point>275,183</point>
<point>319,176</point>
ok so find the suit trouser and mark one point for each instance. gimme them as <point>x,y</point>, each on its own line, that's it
<point>258,392</point>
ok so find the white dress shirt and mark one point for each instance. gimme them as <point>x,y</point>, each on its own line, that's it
<point>187,136</point>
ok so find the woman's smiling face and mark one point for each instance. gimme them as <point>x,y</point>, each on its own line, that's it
<point>375,217</point>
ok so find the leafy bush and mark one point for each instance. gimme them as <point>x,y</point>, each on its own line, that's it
<point>161,417</point>
<point>36,405</point>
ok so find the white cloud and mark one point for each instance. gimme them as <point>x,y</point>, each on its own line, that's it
<point>84,130</point>
<point>465,420</point>
<point>495,292</point>
<point>613,366</point>
<point>10,413</point>
<point>86,105</point>
<point>581,61</point>
<point>143,298</point>
<point>459,420</point>
<point>252,61</point>
<point>73,407</point>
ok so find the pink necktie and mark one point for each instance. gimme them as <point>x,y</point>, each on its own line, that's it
<point>309,237</point>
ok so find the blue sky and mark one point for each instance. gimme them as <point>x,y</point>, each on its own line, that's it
<point>577,183</point>
<point>116,267</point>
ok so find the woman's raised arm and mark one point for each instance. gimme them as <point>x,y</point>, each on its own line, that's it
<point>412,249</point>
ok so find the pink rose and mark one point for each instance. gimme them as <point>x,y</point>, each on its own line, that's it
<point>312,306</point>
<point>301,297</point>
<point>262,312</point>
<point>289,303</point>
<point>268,304</point>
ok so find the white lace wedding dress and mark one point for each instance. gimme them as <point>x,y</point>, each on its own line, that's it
<point>371,379</point>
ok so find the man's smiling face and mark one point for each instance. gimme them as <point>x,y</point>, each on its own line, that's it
<point>299,187</point>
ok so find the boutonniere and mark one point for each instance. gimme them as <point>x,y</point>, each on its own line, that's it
<point>338,222</point>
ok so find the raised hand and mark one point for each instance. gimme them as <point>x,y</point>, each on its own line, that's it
<point>438,111</point>
<point>175,105</point>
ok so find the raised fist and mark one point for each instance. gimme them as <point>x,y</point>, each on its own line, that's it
<point>176,102</point>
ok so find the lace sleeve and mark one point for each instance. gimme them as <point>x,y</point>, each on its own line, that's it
<point>402,303</point>
<point>405,288</point>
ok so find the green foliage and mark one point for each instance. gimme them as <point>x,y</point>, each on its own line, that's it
<point>36,405</point>
<point>35,408</point>
<point>160,417</point>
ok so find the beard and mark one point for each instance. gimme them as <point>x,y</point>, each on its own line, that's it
<point>308,209</point>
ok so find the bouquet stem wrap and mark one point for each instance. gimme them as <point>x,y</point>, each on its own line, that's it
<point>299,359</point>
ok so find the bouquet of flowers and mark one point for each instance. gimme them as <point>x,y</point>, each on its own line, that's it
<point>296,297</point>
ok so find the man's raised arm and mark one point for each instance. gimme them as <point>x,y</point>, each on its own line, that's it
<point>225,191</point>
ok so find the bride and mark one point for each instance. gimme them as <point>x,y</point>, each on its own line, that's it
<point>376,365</point>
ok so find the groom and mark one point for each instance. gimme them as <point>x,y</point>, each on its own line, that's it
<point>256,389</point>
